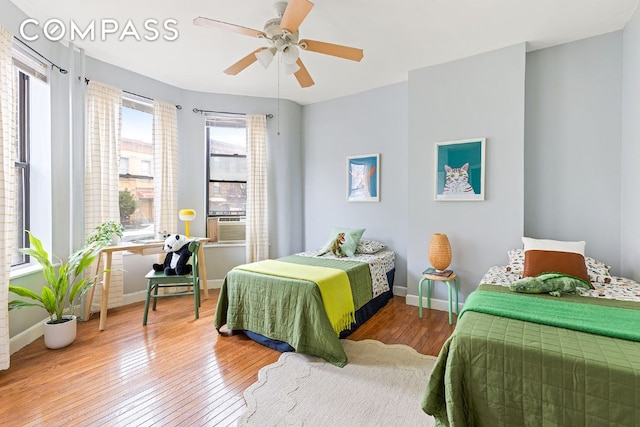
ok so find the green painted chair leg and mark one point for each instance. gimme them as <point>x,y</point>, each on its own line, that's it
<point>196,298</point>
<point>146,304</point>
<point>420,297</point>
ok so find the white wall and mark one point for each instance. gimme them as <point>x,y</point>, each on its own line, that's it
<point>630,156</point>
<point>479,96</point>
<point>374,121</point>
<point>572,144</point>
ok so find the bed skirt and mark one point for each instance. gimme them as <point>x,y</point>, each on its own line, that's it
<point>363,314</point>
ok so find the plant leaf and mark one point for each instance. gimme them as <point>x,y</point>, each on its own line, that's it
<point>15,304</point>
<point>24,292</point>
<point>49,301</point>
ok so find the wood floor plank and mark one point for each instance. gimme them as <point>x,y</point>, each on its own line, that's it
<point>175,371</point>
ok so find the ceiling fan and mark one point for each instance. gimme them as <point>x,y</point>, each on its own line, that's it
<point>283,37</point>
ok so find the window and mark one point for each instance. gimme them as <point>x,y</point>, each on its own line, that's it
<point>227,164</point>
<point>124,165</point>
<point>145,168</point>
<point>32,151</point>
<point>22,169</point>
<point>136,168</point>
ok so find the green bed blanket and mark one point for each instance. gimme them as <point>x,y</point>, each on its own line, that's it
<point>332,283</point>
<point>499,371</point>
<point>290,310</point>
<point>621,322</point>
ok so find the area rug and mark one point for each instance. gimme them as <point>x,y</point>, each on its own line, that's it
<point>381,385</point>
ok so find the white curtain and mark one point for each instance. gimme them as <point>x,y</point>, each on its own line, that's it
<point>257,232</point>
<point>102,157</point>
<point>7,184</point>
<point>165,179</point>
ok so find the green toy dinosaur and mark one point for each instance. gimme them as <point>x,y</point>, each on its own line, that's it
<point>336,247</point>
<point>553,283</point>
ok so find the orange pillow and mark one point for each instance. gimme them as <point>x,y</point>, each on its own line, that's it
<point>547,256</point>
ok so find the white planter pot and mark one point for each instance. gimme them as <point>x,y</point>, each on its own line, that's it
<point>58,335</point>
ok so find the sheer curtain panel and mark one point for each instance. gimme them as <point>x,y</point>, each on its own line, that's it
<point>257,232</point>
<point>165,181</point>
<point>7,185</point>
<point>102,157</point>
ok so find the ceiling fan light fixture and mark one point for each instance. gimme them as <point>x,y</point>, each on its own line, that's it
<point>290,54</point>
<point>291,68</point>
<point>265,56</point>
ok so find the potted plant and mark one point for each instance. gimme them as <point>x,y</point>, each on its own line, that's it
<point>64,286</point>
<point>108,233</point>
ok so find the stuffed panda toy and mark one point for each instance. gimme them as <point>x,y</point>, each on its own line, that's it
<point>175,263</point>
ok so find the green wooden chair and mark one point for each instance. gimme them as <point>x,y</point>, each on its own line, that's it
<point>157,280</point>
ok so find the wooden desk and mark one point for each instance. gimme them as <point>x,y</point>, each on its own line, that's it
<point>150,248</point>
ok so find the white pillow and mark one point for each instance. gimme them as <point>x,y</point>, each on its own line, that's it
<point>553,245</point>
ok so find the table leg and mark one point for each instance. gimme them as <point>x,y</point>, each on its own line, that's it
<point>420,297</point>
<point>457,289</point>
<point>429,283</point>
<point>202,270</point>
<point>450,296</point>
<point>88,299</point>
<point>104,303</point>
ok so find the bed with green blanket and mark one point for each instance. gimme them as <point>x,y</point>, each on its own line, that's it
<point>305,302</point>
<point>520,360</point>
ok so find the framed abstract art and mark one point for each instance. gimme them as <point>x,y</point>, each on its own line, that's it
<point>363,178</point>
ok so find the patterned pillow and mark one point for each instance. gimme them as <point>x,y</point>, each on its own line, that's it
<point>369,247</point>
<point>598,271</point>
<point>516,261</point>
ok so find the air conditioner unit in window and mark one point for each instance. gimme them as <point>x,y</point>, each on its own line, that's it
<point>231,228</point>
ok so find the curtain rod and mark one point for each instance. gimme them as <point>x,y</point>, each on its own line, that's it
<point>86,80</point>
<point>53,65</point>
<point>197,110</point>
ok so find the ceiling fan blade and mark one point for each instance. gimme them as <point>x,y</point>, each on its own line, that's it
<point>294,14</point>
<point>346,52</point>
<point>302,75</point>
<point>243,63</point>
<point>212,23</point>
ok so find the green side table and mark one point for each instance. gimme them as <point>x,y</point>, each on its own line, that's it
<point>429,278</point>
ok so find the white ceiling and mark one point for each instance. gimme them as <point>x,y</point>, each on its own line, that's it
<point>397,36</point>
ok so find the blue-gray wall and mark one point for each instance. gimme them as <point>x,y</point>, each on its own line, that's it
<point>476,97</point>
<point>630,157</point>
<point>572,144</point>
<point>374,121</point>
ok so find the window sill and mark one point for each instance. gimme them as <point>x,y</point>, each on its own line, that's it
<point>24,271</point>
<point>224,245</point>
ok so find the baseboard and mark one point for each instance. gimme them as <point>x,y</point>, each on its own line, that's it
<point>26,337</point>
<point>436,304</point>
<point>215,283</point>
<point>399,291</point>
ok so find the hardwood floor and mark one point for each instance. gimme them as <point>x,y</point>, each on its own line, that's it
<point>175,371</point>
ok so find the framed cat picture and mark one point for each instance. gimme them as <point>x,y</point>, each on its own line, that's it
<point>460,170</point>
<point>363,178</point>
